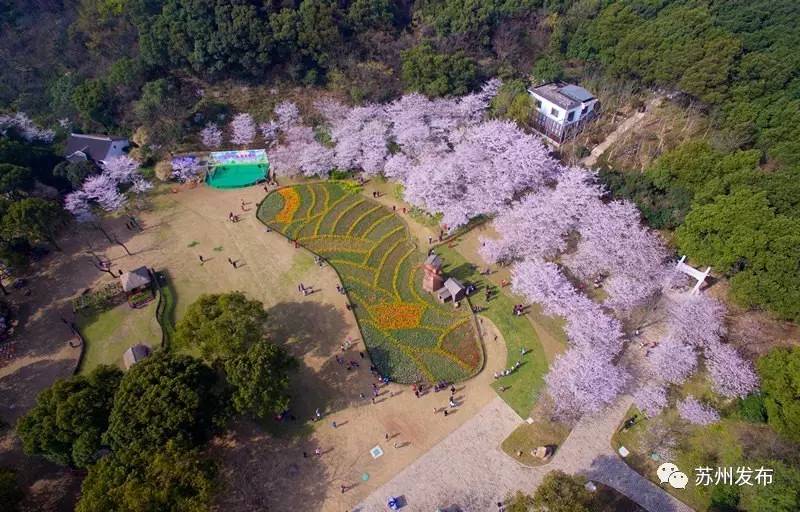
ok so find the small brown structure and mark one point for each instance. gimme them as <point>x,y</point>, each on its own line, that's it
<point>135,354</point>
<point>432,280</point>
<point>136,285</point>
<point>542,452</point>
<point>452,290</point>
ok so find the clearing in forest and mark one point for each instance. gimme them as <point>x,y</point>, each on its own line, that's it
<point>409,335</point>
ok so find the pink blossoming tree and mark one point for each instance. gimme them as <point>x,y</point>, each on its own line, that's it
<point>243,129</point>
<point>695,412</point>
<point>211,136</point>
<point>651,399</point>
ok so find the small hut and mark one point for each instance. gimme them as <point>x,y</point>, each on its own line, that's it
<point>136,285</point>
<point>135,354</point>
<point>452,290</point>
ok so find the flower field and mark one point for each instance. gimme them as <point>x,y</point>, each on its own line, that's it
<point>408,334</point>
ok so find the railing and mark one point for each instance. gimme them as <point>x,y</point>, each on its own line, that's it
<point>558,132</point>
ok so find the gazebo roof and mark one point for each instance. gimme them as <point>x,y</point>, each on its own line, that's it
<point>135,279</point>
<point>135,354</point>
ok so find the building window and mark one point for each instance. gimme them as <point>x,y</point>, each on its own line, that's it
<point>571,116</point>
<point>554,112</point>
<point>538,104</point>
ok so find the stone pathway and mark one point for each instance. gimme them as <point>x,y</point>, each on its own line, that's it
<point>468,470</point>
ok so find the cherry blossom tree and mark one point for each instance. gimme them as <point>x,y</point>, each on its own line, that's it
<point>77,204</point>
<point>185,168</point>
<point>300,152</point>
<point>651,399</point>
<point>583,381</point>
<point>487,167</point>
<point>695,412</point>
<point>588,326</point>
<point>211,136</point>
<point>731,375</point>
<point>672,360</point>
<point>613,242</point>
<point>25,128</point>
<point>121,169</point>
<point>696,319</point>
<point>538,224</point>
<point>102,190</point>
<point>287,114</point>
<point>269,131</point>
<point>360,135</point>
<point>243,129</point>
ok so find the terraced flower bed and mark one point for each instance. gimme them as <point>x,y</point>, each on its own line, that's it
<point>408,334</point>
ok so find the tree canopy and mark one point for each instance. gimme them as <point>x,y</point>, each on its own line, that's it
<point>165,479</point>
<point>70,417</point>
<point>165,397</point>
<point>260,379</point>
<point>560,492</point>
<point>740,234</point>
<point>438,74</point>
<point>780,385</point>
<point>222,325</point>
<point>34,219</point>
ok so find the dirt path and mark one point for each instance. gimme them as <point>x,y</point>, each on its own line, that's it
<point>623,128</point>
<point>469,470</point>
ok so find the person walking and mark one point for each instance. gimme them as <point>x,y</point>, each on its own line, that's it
<point>445,413</point>
<point>201,258</point>
<point>334,424</point>
<point>452,390</point>
<point>386,436</point>
<point>318,452</point>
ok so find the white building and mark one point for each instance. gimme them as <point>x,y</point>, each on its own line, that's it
<point>562,109</point>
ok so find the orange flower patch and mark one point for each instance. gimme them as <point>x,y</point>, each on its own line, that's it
<point>397,315</point>
<point>291,202</point>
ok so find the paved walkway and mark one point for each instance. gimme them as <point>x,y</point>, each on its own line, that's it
<point>468,469</point>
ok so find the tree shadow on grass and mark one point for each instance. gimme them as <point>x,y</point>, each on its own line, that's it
<point>259,472</point>
<point>313,333</point>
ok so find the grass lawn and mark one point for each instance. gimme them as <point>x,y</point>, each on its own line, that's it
<point>524,385</point>
<point>409,335</point>
<point>110,333</point>
<point>526,437</point>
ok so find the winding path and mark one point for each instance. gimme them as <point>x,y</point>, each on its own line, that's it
<point>468,469</point>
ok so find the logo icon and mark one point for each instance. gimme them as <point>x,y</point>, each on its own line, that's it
<point>669,472</point>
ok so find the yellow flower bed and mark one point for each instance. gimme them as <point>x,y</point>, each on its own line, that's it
<point>397,315</point>
<point>291,202</point>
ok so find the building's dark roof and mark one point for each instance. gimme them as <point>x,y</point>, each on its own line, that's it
<point>95,147</point>
<point>565,96</point>
<point>135,279</point>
